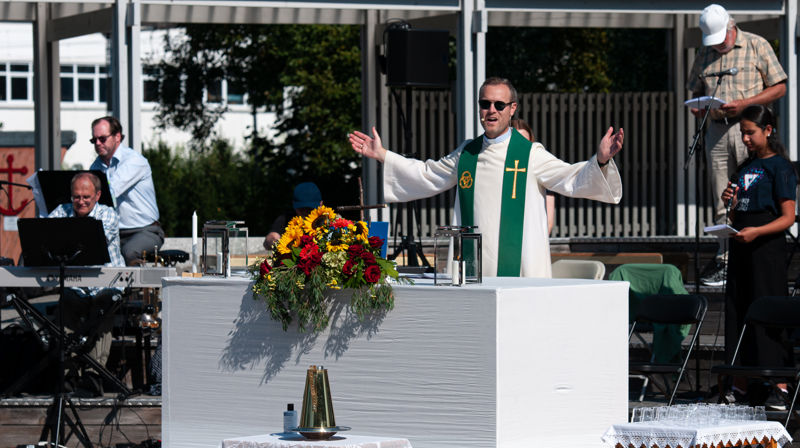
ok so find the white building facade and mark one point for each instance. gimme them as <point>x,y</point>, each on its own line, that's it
<point>84,82</point>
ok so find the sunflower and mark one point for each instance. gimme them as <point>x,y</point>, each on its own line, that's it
<point>290,238</point>
<point>318,218</point>
<point>362,231</point>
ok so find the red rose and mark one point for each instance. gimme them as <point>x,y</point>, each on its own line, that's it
<point>372,274</point>
<point>310,257</point>
<point>355,250</point>
<point>305,240</point>
<point>265,268</point>
<point>368,258</point>
<point>375,242</point>
<point>347,269</point>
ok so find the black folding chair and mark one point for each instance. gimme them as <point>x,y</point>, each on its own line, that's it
<point>679,309</point>
<point>766,312</point>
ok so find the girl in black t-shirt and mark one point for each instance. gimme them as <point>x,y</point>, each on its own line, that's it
<point>763,205</point>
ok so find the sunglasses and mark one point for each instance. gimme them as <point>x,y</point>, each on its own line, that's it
<point>102,139</point>
<point>499,105</point>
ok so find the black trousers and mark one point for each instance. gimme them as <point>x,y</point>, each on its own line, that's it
<point>755,269</point>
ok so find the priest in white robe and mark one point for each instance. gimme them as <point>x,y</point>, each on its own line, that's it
<point>501,179</point>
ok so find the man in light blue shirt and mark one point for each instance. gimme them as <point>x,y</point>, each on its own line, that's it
<point>86,310</point>
<point>131,183</point>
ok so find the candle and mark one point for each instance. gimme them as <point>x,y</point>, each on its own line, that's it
<point>194,242</point>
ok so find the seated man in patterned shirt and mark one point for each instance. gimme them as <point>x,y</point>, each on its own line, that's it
<point>85,309</point>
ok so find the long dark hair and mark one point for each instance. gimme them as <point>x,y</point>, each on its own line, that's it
<point>763,116</point>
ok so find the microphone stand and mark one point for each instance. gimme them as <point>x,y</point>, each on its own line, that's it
<point>689,155</point>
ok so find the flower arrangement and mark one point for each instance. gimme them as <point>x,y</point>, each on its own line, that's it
<point>315,255</point>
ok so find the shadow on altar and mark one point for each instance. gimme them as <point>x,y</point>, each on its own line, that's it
<point>256,339</point>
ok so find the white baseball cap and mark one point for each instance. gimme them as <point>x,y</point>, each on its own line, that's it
<point>714,23</point>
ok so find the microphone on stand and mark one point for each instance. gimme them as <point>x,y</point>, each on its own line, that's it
<point>731,71</point>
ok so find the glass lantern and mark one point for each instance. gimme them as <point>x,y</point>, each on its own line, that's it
<point>457,255</point>
<point>223,249</point>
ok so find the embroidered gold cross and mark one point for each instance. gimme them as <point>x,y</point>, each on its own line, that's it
<point>516,170</point>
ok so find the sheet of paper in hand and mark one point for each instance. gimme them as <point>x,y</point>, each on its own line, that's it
<point>702,101</point>
<point>721,230</point>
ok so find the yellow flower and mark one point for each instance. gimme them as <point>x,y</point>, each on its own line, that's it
<point>336,247</point>
<point>319,217</point>
<point>362,231</point>
<point>284,242</point>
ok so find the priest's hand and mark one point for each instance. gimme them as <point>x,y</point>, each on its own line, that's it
<point>610,145</point>
<point>368,146</point>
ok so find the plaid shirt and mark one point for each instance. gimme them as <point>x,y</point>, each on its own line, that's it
<point>110,221</point>
<point>751,54</point>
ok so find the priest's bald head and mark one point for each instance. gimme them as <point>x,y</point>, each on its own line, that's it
<point>497,101</point>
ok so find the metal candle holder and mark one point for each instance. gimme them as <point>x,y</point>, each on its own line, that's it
<point>222,230</point>
<point>457,255</point>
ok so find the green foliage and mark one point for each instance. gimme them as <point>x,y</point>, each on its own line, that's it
<point>578,59</point>
<point>213,182</point>
<point>308,75</point>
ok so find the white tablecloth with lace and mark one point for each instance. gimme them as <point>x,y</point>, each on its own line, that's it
<point>657,434</point>
<point>281,440</point>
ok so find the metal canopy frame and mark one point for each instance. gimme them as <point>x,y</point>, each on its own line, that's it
<point>467,20</point>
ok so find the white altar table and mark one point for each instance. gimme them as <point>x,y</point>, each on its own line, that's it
<point>509,363</point>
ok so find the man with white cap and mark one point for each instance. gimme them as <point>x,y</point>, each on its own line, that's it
<point>758,79</point>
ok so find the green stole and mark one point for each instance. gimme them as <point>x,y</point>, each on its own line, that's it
<point>512,209</point>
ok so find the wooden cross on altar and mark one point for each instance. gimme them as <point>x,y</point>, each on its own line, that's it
<point>361,207</point>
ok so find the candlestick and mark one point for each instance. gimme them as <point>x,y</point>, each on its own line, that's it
<point>194,242</point>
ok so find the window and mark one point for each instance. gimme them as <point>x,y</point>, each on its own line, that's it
<point>85,89</point>
<point>235,94</point>
<point>67,83</point>
<point>19,88</point>
<point>84,83</point>
<point>103,88</point>
<point>21,77</point>
<point>3,79</point>
<point>214,92</point>
<point>67,89</point>
<point>149,83</point>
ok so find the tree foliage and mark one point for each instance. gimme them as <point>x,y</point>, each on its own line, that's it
<point>309,75</point>
<point>578,59</point>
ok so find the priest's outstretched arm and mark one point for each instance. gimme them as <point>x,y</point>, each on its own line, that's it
<point>407,179</point>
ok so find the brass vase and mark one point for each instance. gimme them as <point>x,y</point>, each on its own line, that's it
<point>316,419</point>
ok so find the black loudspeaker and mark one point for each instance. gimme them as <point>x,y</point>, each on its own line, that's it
<point>417,58</point>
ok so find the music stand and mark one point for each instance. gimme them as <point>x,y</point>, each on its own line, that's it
<point>61,242</point>
<point>56,188</point>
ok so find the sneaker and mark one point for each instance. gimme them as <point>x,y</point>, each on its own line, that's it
<point>716,278</point>
<point>777,401</point>
<point>734,396</point>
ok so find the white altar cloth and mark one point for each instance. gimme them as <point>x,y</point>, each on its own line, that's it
<point>340,440</point>
<point>658,434</point>
<point>510,363</point>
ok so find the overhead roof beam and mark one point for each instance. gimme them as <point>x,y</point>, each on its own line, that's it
<point>82,24</point>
